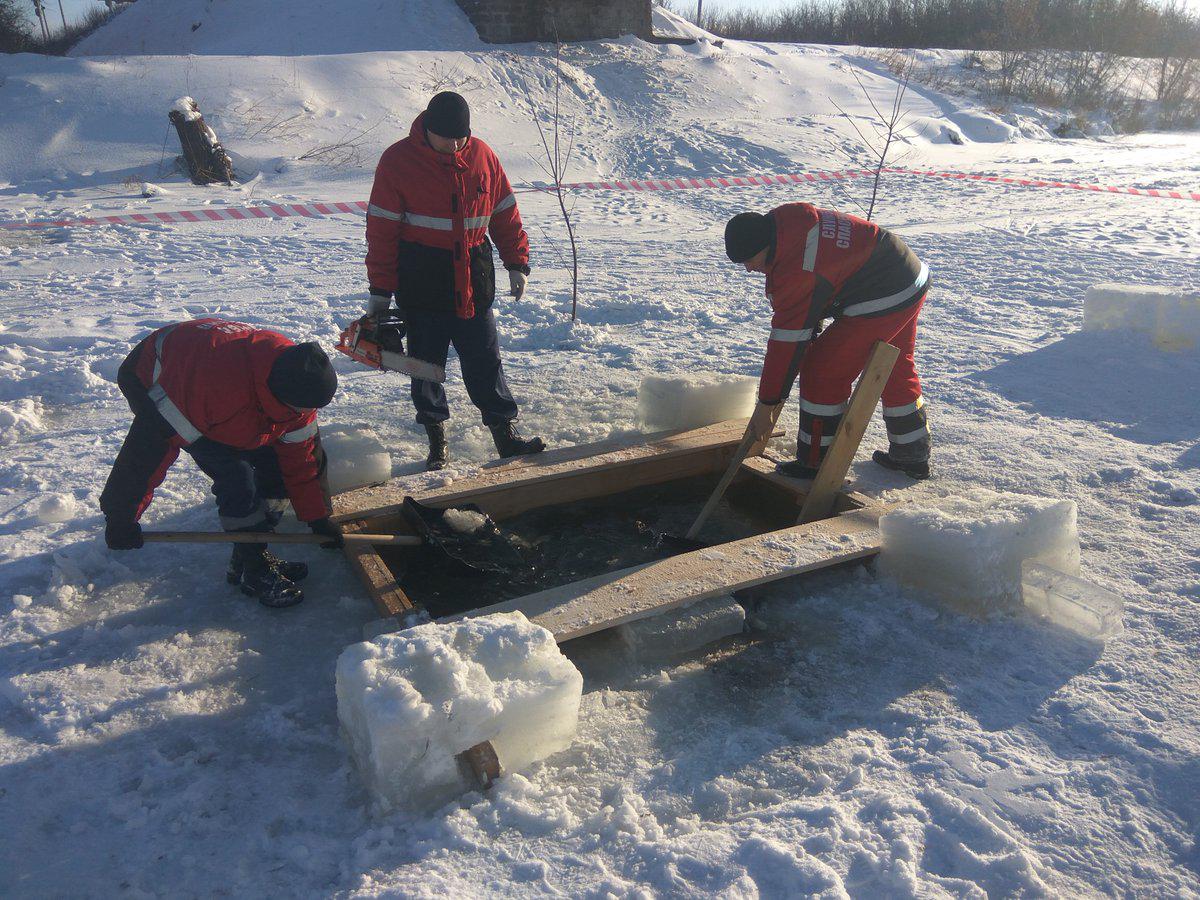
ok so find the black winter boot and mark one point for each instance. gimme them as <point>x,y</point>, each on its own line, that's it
<point>510,443</point>
<point>796,469</point>
<point>913,468</point>
<point>261,580</point>
<point>292,571</point>
<point>439,450</point>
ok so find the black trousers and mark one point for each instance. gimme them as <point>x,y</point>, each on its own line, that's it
<point>430,335</point>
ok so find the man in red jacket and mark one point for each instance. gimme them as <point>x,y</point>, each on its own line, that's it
<point>437,195</point>
<point>242,402</point>
<point>823,264</point>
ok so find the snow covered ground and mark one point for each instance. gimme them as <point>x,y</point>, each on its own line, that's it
<point>162,735</point>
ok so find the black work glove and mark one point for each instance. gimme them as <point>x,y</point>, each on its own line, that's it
<point>123,536</point>
<point>327,528</point>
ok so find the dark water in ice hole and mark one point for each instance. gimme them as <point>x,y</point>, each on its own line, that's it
<point>566,543</point>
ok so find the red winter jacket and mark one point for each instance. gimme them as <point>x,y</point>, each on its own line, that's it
<point>448,201</point>
<point>208,377</point>
<point>828,264</point>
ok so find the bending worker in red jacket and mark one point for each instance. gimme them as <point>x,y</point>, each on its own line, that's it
<point>824,264</point>
<point>242,402</point>
<point>437,195</point>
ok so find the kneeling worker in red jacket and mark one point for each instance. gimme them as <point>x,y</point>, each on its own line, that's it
<point>823,264</point>
<point>242,402</point>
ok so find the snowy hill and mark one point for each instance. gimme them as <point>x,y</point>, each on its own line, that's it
<point>161,734</point>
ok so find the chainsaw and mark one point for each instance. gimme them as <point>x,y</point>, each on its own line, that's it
<point>378,341</point>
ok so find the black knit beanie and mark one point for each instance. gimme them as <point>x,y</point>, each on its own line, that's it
<point>448,115</point>
<point>303,377</point>
<point>746,234</point>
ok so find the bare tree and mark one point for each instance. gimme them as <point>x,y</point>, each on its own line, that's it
<point>887,127</point>
<point>557,147</point>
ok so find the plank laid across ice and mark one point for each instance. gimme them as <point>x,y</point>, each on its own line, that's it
<point>411,701</point>
<point>606,601</point>
<point>1170,315</point>
<point>544,469</point>
<point>967,550</point>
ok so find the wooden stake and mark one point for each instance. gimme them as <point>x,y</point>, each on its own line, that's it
<point>832,473</point>
<point>743,450</point>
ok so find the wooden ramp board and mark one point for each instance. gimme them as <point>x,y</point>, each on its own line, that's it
<point>605,601</point>
<point>507,488</point>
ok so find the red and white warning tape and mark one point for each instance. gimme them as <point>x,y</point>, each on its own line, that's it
<point>320,210</point>
<point>207,214</point>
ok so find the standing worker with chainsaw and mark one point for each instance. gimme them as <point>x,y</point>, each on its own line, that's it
<point>437,195</point>
<point>824,264</point>
<point>242,402</point>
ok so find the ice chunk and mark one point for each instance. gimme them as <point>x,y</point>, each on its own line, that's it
<point>679,631</point>
<point>56,508</point>
<point>694,400</point>
<point>464,521</point>
<point>1171,316</point>
<point>1074,603</point>
<point>967,550</point>
<point>411,701</point>
<point>357,457</point>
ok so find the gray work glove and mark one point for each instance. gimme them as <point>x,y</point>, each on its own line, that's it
<point>517,281</point>
<point>377,301</point>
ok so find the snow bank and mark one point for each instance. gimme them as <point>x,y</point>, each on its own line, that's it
<point>967,550</point>
<point>677,632</point>
<point>1169,315</point>
<point>410,702</point>
<point>18,420</point>
<point>357,457</point>
<point>667,402</point>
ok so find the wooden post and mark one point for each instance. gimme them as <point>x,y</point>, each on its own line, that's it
<point>206,159</point>
<point>828,481</point>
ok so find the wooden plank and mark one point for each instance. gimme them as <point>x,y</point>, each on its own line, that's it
<point>832,473</point>
<point>763,468</point>
<point>602,602</point>
<point>378,579</point>
<point>561,476</point>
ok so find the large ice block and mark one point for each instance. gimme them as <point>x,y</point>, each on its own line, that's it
<point>967,550</point>
<point>411,701</point>
<point>1074,603</point>
<point>694,400</point>
<point>357,457</point>
<point>1170,315</point>
<point>669,635</point>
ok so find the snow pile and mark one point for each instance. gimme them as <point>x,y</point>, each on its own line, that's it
<point>677,632</point>
<point>410,702</point>
<point>1170,315</point>
<point>57,508</point>
<point>357,457</point>
<point>669,402</point>
<point>967,551</point>
<point>18,420</point>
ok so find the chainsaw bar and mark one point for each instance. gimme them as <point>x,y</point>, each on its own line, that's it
<point>361,341</point>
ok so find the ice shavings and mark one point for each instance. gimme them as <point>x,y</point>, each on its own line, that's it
<point>411,701</point>
<point>693,400</point>
<point>967,550</point>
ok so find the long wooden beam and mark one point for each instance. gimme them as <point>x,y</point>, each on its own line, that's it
<point>605,601</point>
<point>563,476</point>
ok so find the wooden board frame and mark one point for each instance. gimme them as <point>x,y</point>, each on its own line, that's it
<point>509,488</point>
